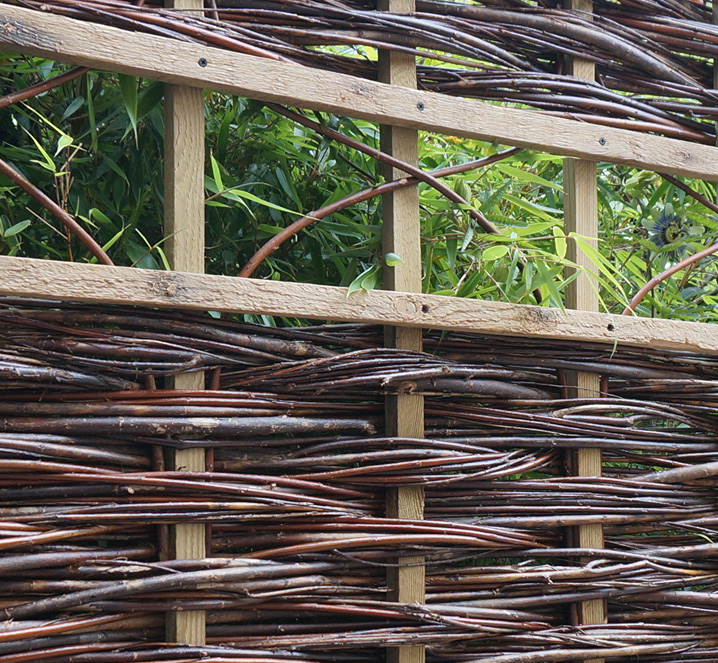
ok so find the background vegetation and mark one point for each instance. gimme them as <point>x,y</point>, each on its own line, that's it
<point>95,146</point>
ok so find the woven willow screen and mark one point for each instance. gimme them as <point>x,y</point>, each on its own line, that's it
<point>294,493</point>
<point>654,58</point>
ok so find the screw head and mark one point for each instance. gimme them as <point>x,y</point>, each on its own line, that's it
<point>202,62</point>
<point>602,141</point>
<point>420,106</point>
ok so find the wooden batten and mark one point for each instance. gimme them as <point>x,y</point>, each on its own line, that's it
<point>184,229</point>
<point>63,281</point>
<point>581,217</point>
<point>402,236</point>
<point>174,61</point>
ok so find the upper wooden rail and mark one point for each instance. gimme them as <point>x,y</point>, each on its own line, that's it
<point>103,47</point>
<point>63,281</point>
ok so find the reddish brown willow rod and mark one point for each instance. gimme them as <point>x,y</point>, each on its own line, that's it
<point>657,52</point>
<point>44,86</point>
<point>686,262</point>
<point>60,214</point>
<point>30,188</point>
<point>419,174</point>
<point>694,194</point>
<point>360,196</point>
<point>309,505</point>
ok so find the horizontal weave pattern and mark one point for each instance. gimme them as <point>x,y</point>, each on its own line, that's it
<point>294,494</point>
<point>654,58</point>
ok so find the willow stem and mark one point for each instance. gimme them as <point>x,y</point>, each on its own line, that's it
<point>659,278</point>
<point>419,174</point>
<point>275,242</point>
<point>44,86</point>
<point>60,214</point>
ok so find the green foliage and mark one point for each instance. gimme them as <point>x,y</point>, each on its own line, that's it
<point>271,172</point>
<point>95,146</point>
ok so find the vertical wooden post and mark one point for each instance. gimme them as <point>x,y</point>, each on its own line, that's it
<point>184,224</point>
<point>581,217</point>
<point>402,235</point>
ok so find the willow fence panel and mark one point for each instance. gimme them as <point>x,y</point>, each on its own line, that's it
<point>298,455</point>
<point>654,58</point>
<point>294,493</point>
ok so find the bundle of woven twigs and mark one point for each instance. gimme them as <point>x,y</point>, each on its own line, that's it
<point>294,493</point>
<point>654,58</point>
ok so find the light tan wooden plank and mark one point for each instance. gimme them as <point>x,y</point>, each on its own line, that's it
<point>184,177</point>
<point>404,412</point>
<point>581,217</point>
<point>184,227</point>
<point>29,277</point>
<point>104,47</point>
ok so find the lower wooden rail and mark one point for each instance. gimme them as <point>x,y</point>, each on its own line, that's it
<point>29,277</point>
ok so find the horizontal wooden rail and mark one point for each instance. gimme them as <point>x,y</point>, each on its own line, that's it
<point>29,277</point>
<point>103,47</point>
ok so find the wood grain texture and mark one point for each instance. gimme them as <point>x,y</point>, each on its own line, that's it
<point>185,246</point>
<point>184,177</point>
<point>404,413</point>
<point>581,217</point>
<point>104,47</point>
<point>588,462</point>
<point>29,277</point>
<point>400,211</point>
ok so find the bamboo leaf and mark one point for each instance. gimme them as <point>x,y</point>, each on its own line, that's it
<point>128,88</point>
<point>216,173</point>
<point>494,252</point>
<point>525,176</point>
<point>15,228</point>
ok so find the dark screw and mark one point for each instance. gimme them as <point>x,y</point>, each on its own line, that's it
<point>202,62</point>
<point>420,105</point>
<point>424,308</point>
<point>610,327</point>
<point>602,141</point>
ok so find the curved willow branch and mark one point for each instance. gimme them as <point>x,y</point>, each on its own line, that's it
<point>686,262</point>
<point>51,206</point>
<point>44,86</point>
<point>693,194</point>
<point>638,297</point>
<point>275,242</point>
<point>414,171</point>
<point>60,214</point>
